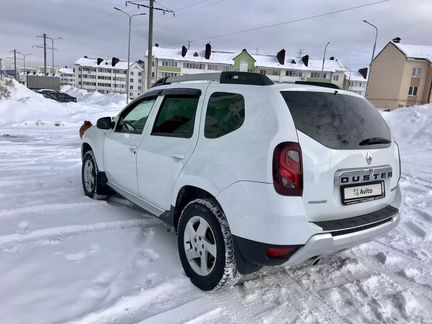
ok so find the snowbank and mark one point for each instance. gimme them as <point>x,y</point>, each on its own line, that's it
<point>411,125</point>
<point>28,108</point>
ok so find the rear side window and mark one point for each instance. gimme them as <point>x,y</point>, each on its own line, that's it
<point>337,121</point>
<point>225,114</point>
<point>176,117</point>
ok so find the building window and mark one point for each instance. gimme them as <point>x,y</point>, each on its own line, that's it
<point>131,87</point>
<point>139,73</point>
<point>139,81</point>
<point>139,88</point>
<point>412,91</point>
<point>416,72</point>
<point>169,63</point>
<point>212,67</point>
<point>335,77</point>
<point>131,73</point>
<point>263,71</point>
<point>130,80</point>
<point>193,65</point>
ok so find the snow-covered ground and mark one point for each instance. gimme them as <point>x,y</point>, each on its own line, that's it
<point>66,258</point>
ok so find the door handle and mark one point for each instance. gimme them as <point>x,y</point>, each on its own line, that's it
<point>177,156</point>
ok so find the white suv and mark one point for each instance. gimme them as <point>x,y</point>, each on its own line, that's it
<point>248,172</point>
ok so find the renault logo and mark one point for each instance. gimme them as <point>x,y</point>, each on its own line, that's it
<point>368,158</point>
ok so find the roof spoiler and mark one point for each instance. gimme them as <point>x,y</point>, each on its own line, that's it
<point>319,84</point>
<point>230,77</point>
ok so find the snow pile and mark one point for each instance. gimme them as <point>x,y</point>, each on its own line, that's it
<point>94,97</point>
<point>28,108</point>
<point>411,125</point>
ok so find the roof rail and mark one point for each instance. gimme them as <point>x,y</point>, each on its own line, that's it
<point>319,84</point>
<point>230,77</point>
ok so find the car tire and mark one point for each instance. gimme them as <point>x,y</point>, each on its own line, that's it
<point>205,245</point>
<point>89,177</point>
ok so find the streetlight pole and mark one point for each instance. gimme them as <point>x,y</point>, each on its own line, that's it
<point>373,53</point>
<point>24,58</point>
<point>322,66</point>
<point>129,40</point>
<point>52,52</point>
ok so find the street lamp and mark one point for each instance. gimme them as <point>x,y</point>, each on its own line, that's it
<point>52,52</point>
<point>322,67</point>
<point>130,22</point>
<point>24,58</point>
<point>373,53</point>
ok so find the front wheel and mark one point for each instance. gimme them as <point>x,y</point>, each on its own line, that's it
<point>205,245</point>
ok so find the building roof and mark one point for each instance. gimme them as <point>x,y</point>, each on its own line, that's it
<point>354,76</point>
<point>92,62</point>
<point>420,52</point>
<point>261,60</point>
<point>66,70</point>
<point>175,54</point>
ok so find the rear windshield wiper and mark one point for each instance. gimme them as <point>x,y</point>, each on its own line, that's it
<point>374,140</point>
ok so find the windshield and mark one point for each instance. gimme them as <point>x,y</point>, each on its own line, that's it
<point>338,121</point>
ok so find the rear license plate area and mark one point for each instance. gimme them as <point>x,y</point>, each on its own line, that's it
<point>354,194</point>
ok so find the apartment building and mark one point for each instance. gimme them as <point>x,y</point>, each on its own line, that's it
<point>105,76</point>
<point>401,75</point>
<point>278,67</point>
<point>356,82</point>
<point>67,76</point>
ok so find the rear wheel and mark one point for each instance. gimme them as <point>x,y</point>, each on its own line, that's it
<point>205,245</point>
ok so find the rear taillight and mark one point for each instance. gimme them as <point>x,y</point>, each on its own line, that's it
<point>287,169</point>
<point>400,166</point>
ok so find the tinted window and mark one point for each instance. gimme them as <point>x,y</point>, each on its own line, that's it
<point>134,119</point>
<point>335,120</point>
<point>176,116</point>
<point>225,114</point>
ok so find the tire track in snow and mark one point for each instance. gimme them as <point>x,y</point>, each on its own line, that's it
<point>317,300</point>
<point>126,307</point>
<point>71,230</point>
<point>45,207</point>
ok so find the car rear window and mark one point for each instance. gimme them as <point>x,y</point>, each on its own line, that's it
<point>335,120</point>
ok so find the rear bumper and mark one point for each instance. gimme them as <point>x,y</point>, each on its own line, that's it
<point>325,243</point>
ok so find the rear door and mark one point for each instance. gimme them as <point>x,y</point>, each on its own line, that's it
<point>169,143</point>
<point>121,144</point>
<point>350,163</point>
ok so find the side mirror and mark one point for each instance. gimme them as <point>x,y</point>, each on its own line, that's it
<point>104,123</point>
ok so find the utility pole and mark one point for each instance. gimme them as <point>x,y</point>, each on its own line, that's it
<point>150,33</point>
<point>14,51</point>
<point>44,36</point>
<point>373,54</point>
<point>150,46</point>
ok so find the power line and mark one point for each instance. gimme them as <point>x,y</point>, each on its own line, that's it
<point>208,5</point>
<point>191,5</point>
<point>290,21</point>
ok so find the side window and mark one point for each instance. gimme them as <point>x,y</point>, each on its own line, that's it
<point>176,116</point>
<point>134,119</point>
<point>225,114</point>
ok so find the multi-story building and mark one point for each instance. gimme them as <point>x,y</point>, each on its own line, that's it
<point>105,76</point>
<point>356,82</point>
<point>401,75</point>
<point>67,76</point>
<point>279,67</point>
